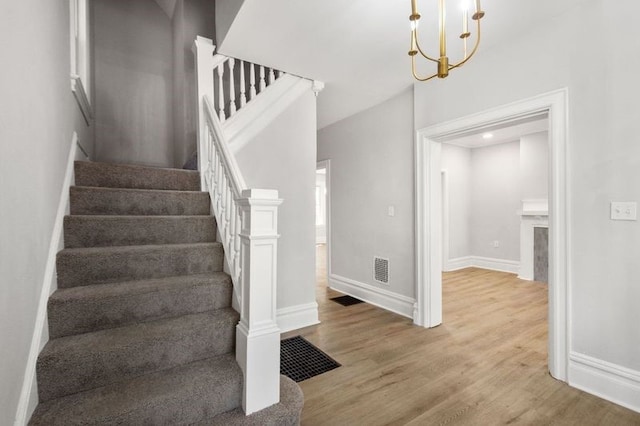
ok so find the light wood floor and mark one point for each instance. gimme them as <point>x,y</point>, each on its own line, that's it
<point>485,365</point>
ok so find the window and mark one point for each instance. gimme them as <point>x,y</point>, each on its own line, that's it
<point>80,60</point>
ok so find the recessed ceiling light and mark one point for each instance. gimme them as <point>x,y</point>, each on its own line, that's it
<point>487,136</point>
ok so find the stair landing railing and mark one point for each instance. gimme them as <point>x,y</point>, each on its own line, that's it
<point>247,221</point>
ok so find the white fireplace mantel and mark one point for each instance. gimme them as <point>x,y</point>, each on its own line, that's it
<point>534,214</point>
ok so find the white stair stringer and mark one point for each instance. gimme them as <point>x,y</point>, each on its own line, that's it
<point>251,119</point>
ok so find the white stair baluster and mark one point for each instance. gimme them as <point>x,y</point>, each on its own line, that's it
<point>219,188</point>
<point>214,161</point>
<point>243,97</point>
<point>232,228</point>
<point>252,81</point>
<point>221,113</point>
<point>211,159</point>
<point>232,88</point>
<point>227,208</point>
<point>263,84</point>
<point>272,76</point>
<point>236,244</point>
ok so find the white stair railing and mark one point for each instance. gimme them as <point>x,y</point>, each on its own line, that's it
<point>230,83</point>
<point>247,221</point>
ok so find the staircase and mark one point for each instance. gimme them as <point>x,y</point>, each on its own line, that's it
<point>141,327</point>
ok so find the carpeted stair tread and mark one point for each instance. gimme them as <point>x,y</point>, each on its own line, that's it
<point>141,327</point>
<point>113,175</point>
<point>104,231</point>
<point>96,307</point>
<point>285,413</point>
<point>183,395</point>
<point>120,201</point>
<point>94,265</point>
<point>77,363</point>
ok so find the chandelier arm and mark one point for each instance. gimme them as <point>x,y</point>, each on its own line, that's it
<point>475,48</point>
<point>415,75</point>
<point>421,52</point>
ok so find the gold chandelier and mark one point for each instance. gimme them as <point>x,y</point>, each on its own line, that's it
<point>443,61</point>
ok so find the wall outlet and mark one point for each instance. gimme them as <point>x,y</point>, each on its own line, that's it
<point>391,211</point>
<point>626,210</point>
<point>496,244</point>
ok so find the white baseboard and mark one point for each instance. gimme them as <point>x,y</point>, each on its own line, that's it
<point>606,380</point>
<point>29,395</point>
<point>457,264</point>
<point>501,265</point>
<point>385,299</point>
<point>295,317</point>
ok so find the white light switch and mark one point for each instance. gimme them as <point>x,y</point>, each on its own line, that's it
<point>624,210</point>
<point>391,211</point>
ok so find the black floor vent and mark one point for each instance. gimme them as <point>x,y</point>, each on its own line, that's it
<point>346,300</point>
<point>300,360</point>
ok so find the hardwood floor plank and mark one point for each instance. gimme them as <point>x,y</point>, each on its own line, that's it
<point>485,365</point>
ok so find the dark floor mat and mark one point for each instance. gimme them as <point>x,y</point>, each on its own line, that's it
<point>300,360</point>
<point>346,300</point>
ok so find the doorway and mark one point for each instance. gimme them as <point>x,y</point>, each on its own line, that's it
<point>492,180</point>
<point>323,220</point>
<point>429,259</point>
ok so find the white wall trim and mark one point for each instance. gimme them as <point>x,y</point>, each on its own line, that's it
<point>606,380</point>
<point>457,263</point>
<point>81,96</point>
<point>493,264</point>
<point>298,316</point>
<point>428,214</point>
<point>251,119</point>
<point>385,299</point>
<point>40,331</point>
<point>501,265</point>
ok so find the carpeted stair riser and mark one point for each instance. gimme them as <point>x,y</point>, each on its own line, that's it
<point>84,309</point>
<point>78,363</point>
<point>285,413</point>
<point>105,231</point>
<point>86,266</point>
<point>183,395</point>
<point>141,328</point>
<point>139,202</point>
<point>132,176</point>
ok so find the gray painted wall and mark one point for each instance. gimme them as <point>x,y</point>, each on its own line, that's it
<point>283,157</point>
<point>486,187</point>
<point>371,157</point>
<point>495,200</point>
<point>191,18</point>
<point>604,156</point>
<point>38,115</point>
<point>134,82</point>
<point>534,165</point>
<point>456,162</point>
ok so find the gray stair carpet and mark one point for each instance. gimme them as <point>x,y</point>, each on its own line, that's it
<point>141,327</point>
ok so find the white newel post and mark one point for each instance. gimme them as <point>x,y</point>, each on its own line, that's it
<point>203,51</point>
<point>257,334</point>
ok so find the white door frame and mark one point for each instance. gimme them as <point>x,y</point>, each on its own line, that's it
<point>326,164</point>
<point>428,312</point>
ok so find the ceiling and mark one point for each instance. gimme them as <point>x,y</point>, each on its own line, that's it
<point>500,134</point>
<point>359,47</point>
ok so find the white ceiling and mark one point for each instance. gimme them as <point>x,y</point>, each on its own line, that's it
<point>359,47</point>
<point>500,134</point>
